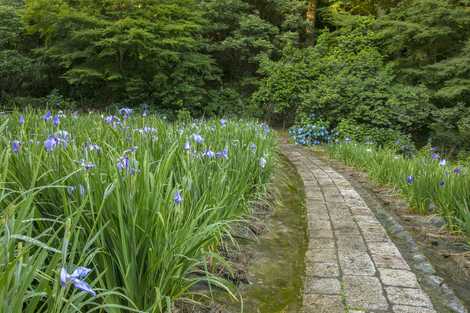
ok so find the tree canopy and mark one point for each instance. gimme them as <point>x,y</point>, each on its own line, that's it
<point>382,64</point>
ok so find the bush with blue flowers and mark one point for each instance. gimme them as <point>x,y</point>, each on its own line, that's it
<point>312,131</point>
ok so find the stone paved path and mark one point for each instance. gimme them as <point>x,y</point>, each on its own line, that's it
<point>351,263</point>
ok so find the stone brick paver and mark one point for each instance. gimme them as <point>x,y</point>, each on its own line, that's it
<point>351,264</point>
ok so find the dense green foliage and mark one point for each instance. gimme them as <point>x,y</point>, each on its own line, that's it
<point>142,203</point>
<point>398,66</point>
<point>200,56</point>
<point>405,69</point>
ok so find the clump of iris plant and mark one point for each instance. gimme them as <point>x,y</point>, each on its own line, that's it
<point>76,279</point>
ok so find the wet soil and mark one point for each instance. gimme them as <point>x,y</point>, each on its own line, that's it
<point>449,254</point>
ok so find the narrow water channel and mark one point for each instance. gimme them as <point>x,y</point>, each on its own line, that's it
<point>276,263</point>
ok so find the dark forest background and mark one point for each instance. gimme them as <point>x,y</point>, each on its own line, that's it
<point>369,68</point>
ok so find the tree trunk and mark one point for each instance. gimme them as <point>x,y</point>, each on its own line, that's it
<point>311,17</point>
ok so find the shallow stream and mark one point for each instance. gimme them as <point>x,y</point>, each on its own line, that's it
<point>275,266</point>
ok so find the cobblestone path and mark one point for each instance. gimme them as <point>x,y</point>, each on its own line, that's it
<point>351,263</point>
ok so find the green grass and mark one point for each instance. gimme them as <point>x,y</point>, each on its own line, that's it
<point>145,250</point>
<point>436,189</point>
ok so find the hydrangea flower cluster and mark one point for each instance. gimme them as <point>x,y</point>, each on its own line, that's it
<point>311,135</point>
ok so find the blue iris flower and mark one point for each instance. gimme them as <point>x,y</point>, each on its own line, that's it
<point>50,143</point>
<point>123,163</point>
<point>253,147</point>
<point>209,153</point>
<point>92,147</point>
<point>222,154</point>
<point>21,120</point>
<point>109,119</point>
<point>198,138</point>
<point>125,112</point>
<point>262,162</point>
<point>47,116</point>
<point>77,279</point>
<point>177,198</point>
<point>87,165</point>
<point>223,122</point>
<point>16,146</point>
<point>443,162</point>
<point>187,146</point>
<point>457,170</point>
<point>410,179</point>
<point>56,120</point>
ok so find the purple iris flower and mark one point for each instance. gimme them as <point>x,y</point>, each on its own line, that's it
<point>87,165</point>
<point>222,154</point>
<point>443,162</point>
<point>109,119</point>
<point>71,190</point>
<point>77,279</point>
<point>410,179</point>
<point>223,122</point>
<point>435,156</point>
<point>62,137</point>
<point>50,143</point>
<point>125,112</point>
<point>131,150</point>
<point>56,120</point>
<point>16,146</point>
<point>123,163</point>
<point>253,147</point>
<point>47,116</point>
<point>209,153</point>
<point>187,146</point>
<point>265,128</point>
<point>457,170</point>
<point>81,189</point>
<point>93,147</point>
<point>177,198</point>
<point>21,120</point>
<point>198,138</point>
<point>262,162</point>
